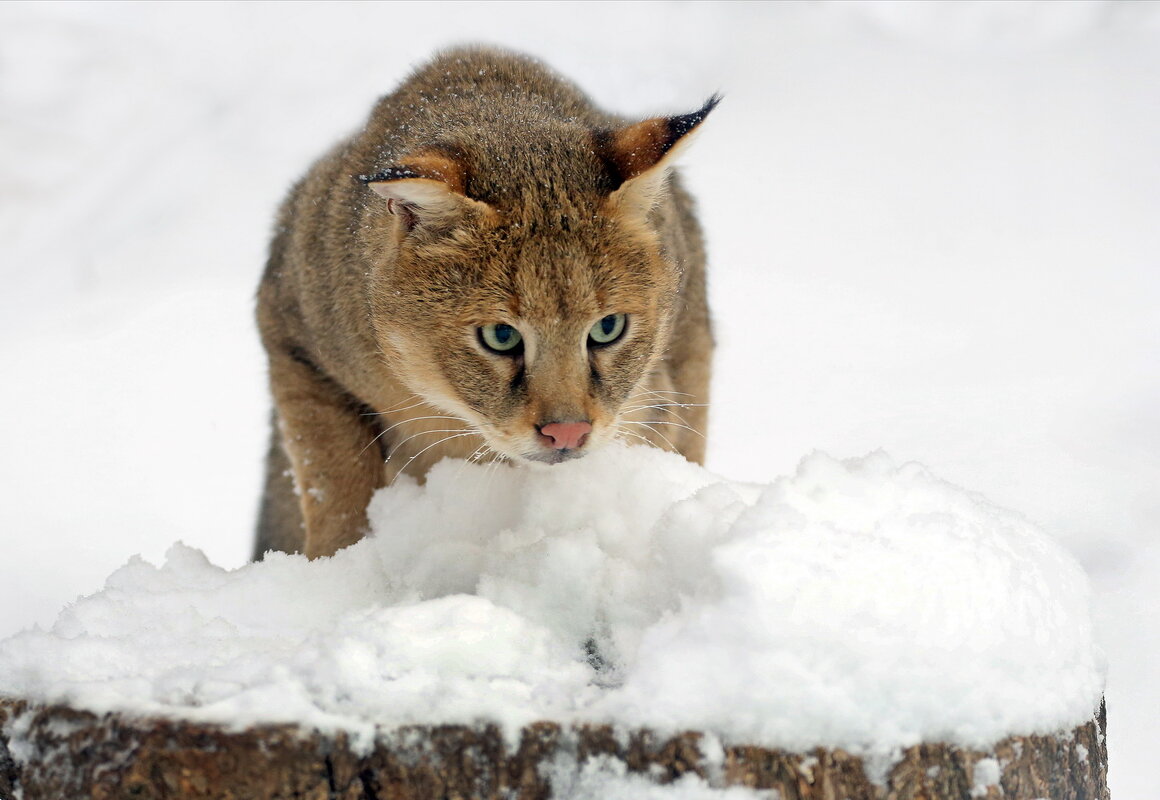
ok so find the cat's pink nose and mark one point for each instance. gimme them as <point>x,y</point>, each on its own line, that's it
<point>565,435</point>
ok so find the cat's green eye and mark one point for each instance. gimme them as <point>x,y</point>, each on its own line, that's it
<point>608,329</point>
<point>501,338</point>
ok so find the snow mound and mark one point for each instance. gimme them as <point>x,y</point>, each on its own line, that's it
<point>856,604</point>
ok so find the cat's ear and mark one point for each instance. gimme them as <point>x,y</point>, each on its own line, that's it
<point>426,189</point>
<point>639,156</point>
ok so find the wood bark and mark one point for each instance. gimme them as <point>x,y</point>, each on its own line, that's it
<point>54,752</point>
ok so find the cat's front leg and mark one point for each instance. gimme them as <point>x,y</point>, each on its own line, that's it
<point>330,442</point>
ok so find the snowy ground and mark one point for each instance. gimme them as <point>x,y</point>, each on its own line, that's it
<point>932,230</point>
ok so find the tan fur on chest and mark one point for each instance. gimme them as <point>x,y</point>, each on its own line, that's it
<point>492,269</point>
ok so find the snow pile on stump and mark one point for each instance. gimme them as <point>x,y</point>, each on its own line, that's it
<point>857,604</point>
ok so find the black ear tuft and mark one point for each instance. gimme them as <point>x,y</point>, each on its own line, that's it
<point>635,149</point>
<point>680,125</point>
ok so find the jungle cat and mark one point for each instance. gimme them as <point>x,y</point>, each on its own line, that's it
<point>491,268</point>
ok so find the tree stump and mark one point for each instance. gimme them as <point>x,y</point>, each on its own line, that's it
<point>54,752</point>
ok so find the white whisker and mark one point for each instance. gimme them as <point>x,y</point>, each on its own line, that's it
<point>471,459</point>
<point>665,407</point>
<point>664,422</point>
<point>492,470</point>
<point>458,435</point>
<point>395,408</point>
<point>397,447</point>
<point>671,405</point>
<point>662,391</point>
<point>622,432</point>
<point>658,433</point>
<point>383,433</point>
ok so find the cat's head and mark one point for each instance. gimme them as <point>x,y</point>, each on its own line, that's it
<point>528,286</point>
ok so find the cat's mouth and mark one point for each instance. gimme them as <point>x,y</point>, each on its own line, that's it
<point>555,456</point>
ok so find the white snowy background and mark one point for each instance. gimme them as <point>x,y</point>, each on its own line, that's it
<point>933,230</point>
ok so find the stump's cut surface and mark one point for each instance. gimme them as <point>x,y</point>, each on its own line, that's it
<point>54,752</point>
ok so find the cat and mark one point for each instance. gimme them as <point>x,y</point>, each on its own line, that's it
<point>492,268</point>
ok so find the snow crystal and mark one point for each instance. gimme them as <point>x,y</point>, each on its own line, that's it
<point>987,773</point>
<point>857,604</point>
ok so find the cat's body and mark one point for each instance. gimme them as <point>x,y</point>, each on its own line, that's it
<point>491,268</point>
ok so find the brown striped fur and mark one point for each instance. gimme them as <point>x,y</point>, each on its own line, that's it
<point>484,190</point>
